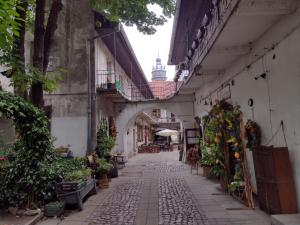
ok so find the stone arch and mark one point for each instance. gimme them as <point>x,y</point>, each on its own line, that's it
<point>181,105</point>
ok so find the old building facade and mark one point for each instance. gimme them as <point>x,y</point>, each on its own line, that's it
<point>245,52</point>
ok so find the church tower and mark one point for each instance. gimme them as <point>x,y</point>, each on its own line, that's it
<point>159,71</point>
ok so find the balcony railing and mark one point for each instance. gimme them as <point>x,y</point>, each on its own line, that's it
<point>111,81</point>
<point>213,22</point>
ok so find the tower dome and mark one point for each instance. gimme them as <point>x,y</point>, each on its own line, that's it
<point>159,71</point>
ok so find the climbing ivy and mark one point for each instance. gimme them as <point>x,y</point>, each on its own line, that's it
<point>28,179</point>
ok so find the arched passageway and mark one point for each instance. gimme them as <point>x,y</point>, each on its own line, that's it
<point>180,105</point>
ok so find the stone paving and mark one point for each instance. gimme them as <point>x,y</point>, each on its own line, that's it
<point>157,189</point>
<point>119,207</point>
<point>177,203</point>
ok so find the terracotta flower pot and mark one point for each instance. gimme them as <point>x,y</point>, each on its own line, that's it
<point>103,182</point>
<point>206,171</point>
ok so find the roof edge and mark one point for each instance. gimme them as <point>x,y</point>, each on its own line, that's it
<point>174,31</point>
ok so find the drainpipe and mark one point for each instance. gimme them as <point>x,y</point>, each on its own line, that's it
<point>92,101</point>
<point>89,110</point>
<point>92,94</point>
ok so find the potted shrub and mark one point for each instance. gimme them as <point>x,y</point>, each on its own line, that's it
<point>207,161</point>
<point>103,167</point>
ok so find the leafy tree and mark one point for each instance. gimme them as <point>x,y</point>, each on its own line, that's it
<point>9,26</point>
<point>136,12</point>
<point>15,17</point>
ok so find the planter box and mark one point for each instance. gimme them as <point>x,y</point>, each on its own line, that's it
<point>75,192</point>
<point>51,210</point>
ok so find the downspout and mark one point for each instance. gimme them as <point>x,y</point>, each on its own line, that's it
<point>89,110</point>
<point>91,103</point>
<point>93,98</point>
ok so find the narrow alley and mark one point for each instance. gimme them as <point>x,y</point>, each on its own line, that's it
<point>158,189</point>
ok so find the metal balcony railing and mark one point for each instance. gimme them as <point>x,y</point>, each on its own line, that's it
<point>109,80</point>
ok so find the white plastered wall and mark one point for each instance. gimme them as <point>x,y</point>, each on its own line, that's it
<point>276,98</point>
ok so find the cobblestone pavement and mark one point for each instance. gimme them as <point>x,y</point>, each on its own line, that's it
<point>120,205</point>
<point>157,189</point>
<point>177,204</point>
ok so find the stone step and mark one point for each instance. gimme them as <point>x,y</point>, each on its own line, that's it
<point>285,219</point>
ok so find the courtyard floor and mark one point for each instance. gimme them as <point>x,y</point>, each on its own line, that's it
<point>157,189</point>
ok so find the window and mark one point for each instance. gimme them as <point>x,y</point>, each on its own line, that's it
<point>156,113</point>
<point>173,119</point>
<point>140,133</point>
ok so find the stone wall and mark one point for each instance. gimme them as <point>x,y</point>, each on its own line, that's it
<point>70,52</point>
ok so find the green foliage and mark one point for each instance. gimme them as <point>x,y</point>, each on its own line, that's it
<point>105,143</point>
<point>103,166</point>
<point>136,12</point>
<point>62,166</point>
<point>234,186</point>
<point>207,159</point>
<point>78,175</point>
<point>32,75</point>
<point>27,179</point>
<point>9,25</point>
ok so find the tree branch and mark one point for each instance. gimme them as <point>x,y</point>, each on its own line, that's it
<point>36,93</point>
<point>50,30</point>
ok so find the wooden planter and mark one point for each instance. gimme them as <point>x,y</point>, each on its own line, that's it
<point>206,171</point>
<point>103,181</point>
<point>74,192</point>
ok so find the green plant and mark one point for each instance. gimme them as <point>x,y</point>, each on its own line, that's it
<point>233,186</point>
<point>207,158</point>
<point>63,166</point>
<point>27,179</point>
<point>78,175</point>
<point>136,12</point>
<point>103,166</point>
<point>105,143</point>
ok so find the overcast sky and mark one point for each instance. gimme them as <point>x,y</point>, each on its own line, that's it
<point>147,47</point>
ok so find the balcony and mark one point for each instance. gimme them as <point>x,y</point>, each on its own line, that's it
<point>116,87</point>
<point>229,30</point>
<point>212,24</point>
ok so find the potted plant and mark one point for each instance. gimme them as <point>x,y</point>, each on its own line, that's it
<point>103,167</point>
<point>105,143</point>
<point>207,161</point>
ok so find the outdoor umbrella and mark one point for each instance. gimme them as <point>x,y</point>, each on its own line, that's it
<point>167,133</point>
